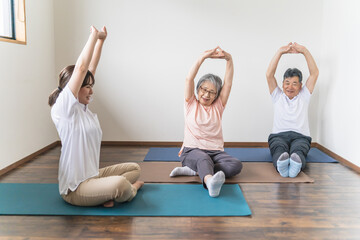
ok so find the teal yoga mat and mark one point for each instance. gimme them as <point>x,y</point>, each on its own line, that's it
<point>244,154</point>
<point>151,200</point>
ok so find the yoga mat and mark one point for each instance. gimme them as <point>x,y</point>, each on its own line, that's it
<point>244,154</point>
<point>254,172</point>
<point>151,200</point>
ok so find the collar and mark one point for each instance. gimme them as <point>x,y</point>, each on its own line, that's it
<point>287,98</point>
<point>83,106</point>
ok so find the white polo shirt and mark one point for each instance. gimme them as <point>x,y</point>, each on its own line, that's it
<point>291,114</point>
<point>80,134</point>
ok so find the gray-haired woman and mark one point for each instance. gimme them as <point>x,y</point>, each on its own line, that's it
<point>203,147</point>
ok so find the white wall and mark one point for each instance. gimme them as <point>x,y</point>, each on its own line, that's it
<point>27,73</point>
<point>152,44</point>
<point>149,50</point>
<point>339,104</point>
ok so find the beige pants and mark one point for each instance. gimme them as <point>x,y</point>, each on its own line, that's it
<point>112,183</point>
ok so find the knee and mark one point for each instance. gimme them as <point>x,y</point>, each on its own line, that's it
<point>133,167</point>
<point>136,168</point>
<point>132,172</point>
<point>237,167</point>
<point>300,149</point>
<point>280,146</point>
<point>201,157</point>
<point>233,168</point>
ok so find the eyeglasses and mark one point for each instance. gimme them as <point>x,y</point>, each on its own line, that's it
<point>204,91</point>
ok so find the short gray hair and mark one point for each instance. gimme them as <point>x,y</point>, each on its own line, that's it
<point>210,78</point>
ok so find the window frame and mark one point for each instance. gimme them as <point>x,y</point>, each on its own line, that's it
<point>19,23</point>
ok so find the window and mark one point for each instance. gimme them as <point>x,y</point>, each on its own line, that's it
<point>6,19</point>
<point>12,21</point>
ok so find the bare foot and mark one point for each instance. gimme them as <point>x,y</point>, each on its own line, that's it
<point>109,203</point>
<point>138,184</point>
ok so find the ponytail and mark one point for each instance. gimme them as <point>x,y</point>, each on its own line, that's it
<point>64,78</point>
<point>53,96</point>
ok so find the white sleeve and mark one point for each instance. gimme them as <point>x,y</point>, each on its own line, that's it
<point>305,93</point>
<point>64,105</point>
<point>275,95</point>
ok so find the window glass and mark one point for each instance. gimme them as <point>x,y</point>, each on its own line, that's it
<point>6,19</point>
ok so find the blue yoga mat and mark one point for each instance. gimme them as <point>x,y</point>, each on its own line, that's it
<point>151,200</point>
<point>244,154</point>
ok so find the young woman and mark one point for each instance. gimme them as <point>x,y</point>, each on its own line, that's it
<point>81,182</point>
<point>203,147</point>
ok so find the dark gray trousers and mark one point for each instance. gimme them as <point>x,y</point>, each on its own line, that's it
<point>208,162</point>
<point>290,142</point>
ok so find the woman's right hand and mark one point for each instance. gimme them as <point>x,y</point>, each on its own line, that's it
<point>93,30</point>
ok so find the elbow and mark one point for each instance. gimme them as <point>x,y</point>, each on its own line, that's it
<point>269,75</point>
<point>81,68</point>
<point>316,73</point>
<point>189,81</point>
<point>92,70</point>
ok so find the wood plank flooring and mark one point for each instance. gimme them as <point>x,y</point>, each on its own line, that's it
<point>326,209</point>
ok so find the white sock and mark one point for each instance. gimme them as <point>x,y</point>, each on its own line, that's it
<point>295,165</point>
<point>182,171</point>
<point>215,183</point>
<point>283,164</point>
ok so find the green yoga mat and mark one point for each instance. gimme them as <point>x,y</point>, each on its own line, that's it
<point>151,200</point>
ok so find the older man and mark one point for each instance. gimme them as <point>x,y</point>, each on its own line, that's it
<point>290,139</point>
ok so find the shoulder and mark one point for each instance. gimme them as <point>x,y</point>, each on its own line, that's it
<point>67,94</point>
<point>305,93</point>
<point>218,104</point>
<point>64,105</point>
<point>191,101</point>
<point>275,95</point>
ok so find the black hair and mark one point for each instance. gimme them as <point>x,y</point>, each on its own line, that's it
<point>293,72</point>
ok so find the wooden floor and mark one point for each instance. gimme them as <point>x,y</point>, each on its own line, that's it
<point>326,209</point>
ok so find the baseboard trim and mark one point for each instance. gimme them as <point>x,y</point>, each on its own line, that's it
<point>338,158</point>
<point>175,144</point>
<point>29,158</point>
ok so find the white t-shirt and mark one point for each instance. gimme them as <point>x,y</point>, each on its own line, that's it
<point>80,134</point>
<point>291,114</point>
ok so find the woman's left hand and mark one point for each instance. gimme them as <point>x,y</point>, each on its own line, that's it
<point>103,34</point>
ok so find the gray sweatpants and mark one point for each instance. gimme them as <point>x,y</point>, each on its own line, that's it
<point>290,142</point>
<point>208,162</point>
